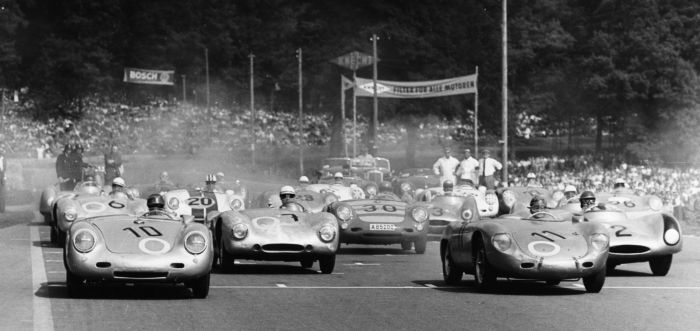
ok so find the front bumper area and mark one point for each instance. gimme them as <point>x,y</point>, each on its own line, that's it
<point>250,249</point>
<point>520,265</point>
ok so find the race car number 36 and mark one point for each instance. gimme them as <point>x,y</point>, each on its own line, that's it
<point>382,227</point>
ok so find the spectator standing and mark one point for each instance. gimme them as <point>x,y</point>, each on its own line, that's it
<point>446,166</point>
<point>488,168</point>
<point>3,167</point>
<point>467,169</point>
<point>75,164</point>
<point>62,167</point>
<point>113,164</point>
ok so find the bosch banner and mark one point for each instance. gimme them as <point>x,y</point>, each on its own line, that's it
<point>425,89</point>
<point>148,76</point>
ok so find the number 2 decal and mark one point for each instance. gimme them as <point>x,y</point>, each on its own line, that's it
<point>148,230</point>
<point>619,232</point>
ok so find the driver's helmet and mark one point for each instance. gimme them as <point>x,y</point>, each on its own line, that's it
<point>569,191</point>
<point>448,186</point>
<point>211,179</point>
<point>587,200</point>
<point>303,180</point>
<point>619,183</point>
<point>338,176</point>
<point>118,184</point>
<point>531,175</point>
<point>385,187</point>
<point>286,193</point>
<point>537,204</point>
<point>155,202</point>
<point>164,176</point>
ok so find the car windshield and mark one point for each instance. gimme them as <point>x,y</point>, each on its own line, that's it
<point>381,163</point>
<point>386,197</point>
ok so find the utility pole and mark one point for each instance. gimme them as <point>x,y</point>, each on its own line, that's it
<point>252,110</point>
<point>301,118</point>
<point>504,91</point>
<point>375,120</point>
<point>184,89</point>
<point>476,116</point>
<point>206,65</point>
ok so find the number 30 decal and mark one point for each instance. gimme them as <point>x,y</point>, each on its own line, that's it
<point>619,232</point>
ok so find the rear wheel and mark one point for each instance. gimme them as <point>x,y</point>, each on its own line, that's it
<point>594,283</point>
<point>200,286</point>
<point>483,273</point>
<point>661,265</point>
<point>420,246</point>
<point>307,263</point>
<point>327,263</point>
<point>406,245</point>
<point>226,259</point>
<point>75,285</point>
<point>450,273</point>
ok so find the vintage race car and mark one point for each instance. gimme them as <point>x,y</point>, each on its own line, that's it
<point>640,232</point>
<point>384,220</point>
<point>408,181</point>
<point>53,193</point>
<point>512,199</point>
<point>341,191</point>
<point>487,201</point>
<point>550,246</point>
<point>203,205</point>
<point>71,208</point>
<point>313,201</point>
<point>154,247</point>
<point>446,209</point>
<point>276,235</point>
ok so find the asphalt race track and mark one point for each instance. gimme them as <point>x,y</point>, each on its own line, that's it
<point>372,288</point>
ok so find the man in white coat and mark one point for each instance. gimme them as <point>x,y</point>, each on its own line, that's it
<point>446,166</point>
<point>468,169</point>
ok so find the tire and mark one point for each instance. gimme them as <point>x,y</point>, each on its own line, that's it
<point>406,245</point>
<point>47,218</point>
<point>200,286</point>
<point>660,265</point>
<point>75,285</point>
<point>226,259</point>
<point>483,273</point>
<point>54,236</point>
<point>553,282</point>
<point>327,263</point>
<point>307,263</point>
<point>61,237</point>
<point>420,246</point>
<point>450,273</point>
<point>594,283</point>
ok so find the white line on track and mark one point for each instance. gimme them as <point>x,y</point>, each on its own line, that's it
<point>360,263</point>
<point>645,287</point>
<point>53,252</point>
<point>43,320</point>
<point>430,285</point>
<point>57,272</point>
<point>331,287</point>
<point>54,261</point>
<point>281,285</point>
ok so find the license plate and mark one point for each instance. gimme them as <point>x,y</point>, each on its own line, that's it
<point>382,227</point>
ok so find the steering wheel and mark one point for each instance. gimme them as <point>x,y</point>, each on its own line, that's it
<point>542,213</point>
<point>158,212</point>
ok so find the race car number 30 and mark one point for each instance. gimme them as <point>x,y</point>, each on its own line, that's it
<point>382,227</point>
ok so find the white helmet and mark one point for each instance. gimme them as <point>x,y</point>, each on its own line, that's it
<point>220,174</point>
<point>118,181</point>
<point>304,179</point>
<point>338,175</point>
<point>287,190</point>
<point>531,175</point>
<point>570,188</point>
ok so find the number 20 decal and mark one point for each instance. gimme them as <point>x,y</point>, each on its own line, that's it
<point>147,229</point>
<point>205,202</point>
<point>619,232</point>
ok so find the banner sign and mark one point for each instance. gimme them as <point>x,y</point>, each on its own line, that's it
<point>425,89</point>
<point>148,76</point>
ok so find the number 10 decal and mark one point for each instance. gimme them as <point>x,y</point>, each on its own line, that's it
<point>147,229</point>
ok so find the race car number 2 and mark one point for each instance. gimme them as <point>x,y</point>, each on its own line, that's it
<point>200,202</point>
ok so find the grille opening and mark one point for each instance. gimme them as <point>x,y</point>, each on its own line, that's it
<point>283,247</point>
<point>439,223</point>
<point>587,264</point>
<point>527,265</point>
<point>140,274</point>
<point>628,249</point>
<point>103,264</point>
<point>356,229</point>
<point>177,265</point>
<point>408,230</point>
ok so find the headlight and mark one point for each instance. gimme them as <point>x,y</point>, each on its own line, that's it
<point>70,214</point>
<point>84,240</point>
<point>239,231</point>
<point>330,198</point>
<point>236,204</point>
<point>655,203</point>
<point>558,195</point>
<point>491,199</point>
<point>501,241</point>
<point>326,233</point>
<point>195,242</point>
<point>371,190</point>
<point>405,187</point>
<point>509,198</point>
<point>344,213</point>
<point>467,214</point>
<point>419,214</point>
<point>174,203</point>
<point>671,236</point>
<point>599,241</point>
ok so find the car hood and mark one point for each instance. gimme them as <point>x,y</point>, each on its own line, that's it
<point>280,225</point>
<point>138,235</point>
<point>385,211</point>
<point>549,239</point>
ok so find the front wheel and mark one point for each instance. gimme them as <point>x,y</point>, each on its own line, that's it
<point>594,283</point>
<point>200,287</point>
<point>420,246</point>
<point>450,273</point>
<point>75,285</point>
<point>307,263</point>
<point>483,273</point>
<point>54,236</point>
<point>226,259</point>
<point>661,265</point>
<point>406,245</point>
<point>327,263</point>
